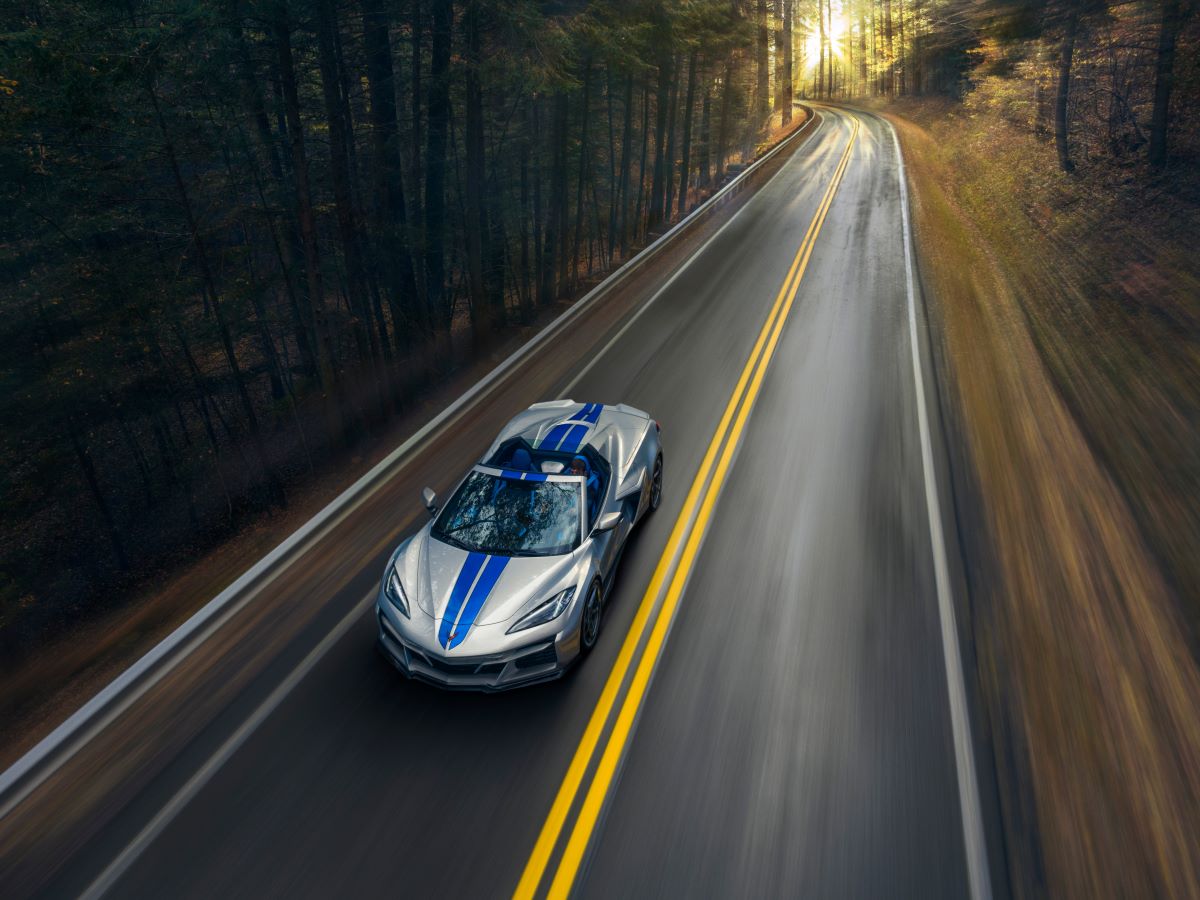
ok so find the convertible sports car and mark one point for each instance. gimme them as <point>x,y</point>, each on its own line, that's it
<point>506,585</point>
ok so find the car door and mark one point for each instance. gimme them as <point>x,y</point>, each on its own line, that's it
<point>627,499</point>
<point>609,543</point>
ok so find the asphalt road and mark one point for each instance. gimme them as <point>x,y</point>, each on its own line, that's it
<point>796,737</point>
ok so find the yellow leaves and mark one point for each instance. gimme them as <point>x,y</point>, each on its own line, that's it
<point>8,86</point>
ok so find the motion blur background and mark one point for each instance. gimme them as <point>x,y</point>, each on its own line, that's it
<point>246,244</point>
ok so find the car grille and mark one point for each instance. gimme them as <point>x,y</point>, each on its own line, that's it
<point>450,668</point>
<point>538,658</point>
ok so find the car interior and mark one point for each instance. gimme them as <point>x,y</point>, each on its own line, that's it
<point>516,454</point>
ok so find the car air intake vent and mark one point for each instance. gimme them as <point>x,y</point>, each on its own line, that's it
<point>452,668</point>
<point>467,668</point>
<point>541,657</point>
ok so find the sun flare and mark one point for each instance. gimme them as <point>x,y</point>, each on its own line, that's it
<point>837,28</point>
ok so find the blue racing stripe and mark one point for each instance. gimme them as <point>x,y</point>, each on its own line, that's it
<point>554,436</point>
<point>517,475</point>
<point>566,436</point>
<point>571,442</point>
<point>487,581</point>
<point>466,577</point>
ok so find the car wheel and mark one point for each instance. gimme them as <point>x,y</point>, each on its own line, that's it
<point>656,485</point>
<point>593,613</point>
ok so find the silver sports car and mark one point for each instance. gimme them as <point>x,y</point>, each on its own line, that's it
<point>506,584</point>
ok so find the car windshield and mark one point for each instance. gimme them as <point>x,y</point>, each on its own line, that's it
<point>511,517</point>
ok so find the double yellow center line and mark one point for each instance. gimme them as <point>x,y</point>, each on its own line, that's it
<point>687,533</point>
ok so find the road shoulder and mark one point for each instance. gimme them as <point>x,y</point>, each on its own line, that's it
<point>1087,680</point>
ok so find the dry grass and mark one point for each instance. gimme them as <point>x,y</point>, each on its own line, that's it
<point>1082,648</point>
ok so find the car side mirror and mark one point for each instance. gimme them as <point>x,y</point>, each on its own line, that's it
<point>429,498</point>
<point>608,521</point>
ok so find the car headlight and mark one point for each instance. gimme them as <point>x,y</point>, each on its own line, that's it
<point>545,612</point>
<point>395,591</point>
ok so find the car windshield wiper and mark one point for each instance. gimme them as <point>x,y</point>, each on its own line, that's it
<point>453,541</point>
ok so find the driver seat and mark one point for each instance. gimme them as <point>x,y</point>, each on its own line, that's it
<point>521,460</point>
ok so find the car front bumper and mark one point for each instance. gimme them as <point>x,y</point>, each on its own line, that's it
<point>496,672</point>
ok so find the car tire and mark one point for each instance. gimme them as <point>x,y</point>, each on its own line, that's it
<point>592,619</point>
<point>656,485</point>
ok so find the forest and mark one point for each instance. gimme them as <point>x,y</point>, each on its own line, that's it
<point>241,236</point>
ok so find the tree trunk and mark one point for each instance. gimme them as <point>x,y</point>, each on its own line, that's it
<point>641,195</point>
<point>562,205</point>
<point>1063,91</point>
<point>862,49</point>
<point>584,152</point>
<point>496,244</point>
<point>167,454</point>
<point>658,186</point>
<point>876,6</point>
<point>778,14</point>
<point>723,123</point>
<point>528,214</point>
<point>265,152</point>
<point>672,131</point>
<point>476,224</point>
<point>704,163</point>
<point>266,343</point>
<point>304,211</point>
<point>788,72</point>
<point>1164,77</point>
<point>614,185</point>
<point>917,56</point>
<point>539,247</point>
<point>416,221</point>
<point>889,55</point>
<point>274,485</point>
<point>201,403</point>
<point>626,162</point>
<point>131,442</point>
<point>688,110</point>
<point>106,517</point>
<point>435,165</point>
<point>391,217</point>
<point>821,49</point>
<point>339,164</point>
<point>763,98</point>
<point>555,220</point>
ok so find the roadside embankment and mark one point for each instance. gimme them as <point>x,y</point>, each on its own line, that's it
<point>1070,339</point>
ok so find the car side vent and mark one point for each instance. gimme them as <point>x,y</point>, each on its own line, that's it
<point>542,657</point>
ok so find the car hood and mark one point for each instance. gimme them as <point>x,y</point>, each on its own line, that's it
<point>455,582</point>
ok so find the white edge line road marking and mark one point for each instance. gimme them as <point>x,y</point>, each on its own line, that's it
<point>978,877</point>
<point>219,610</point>
<point>233,743</point>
